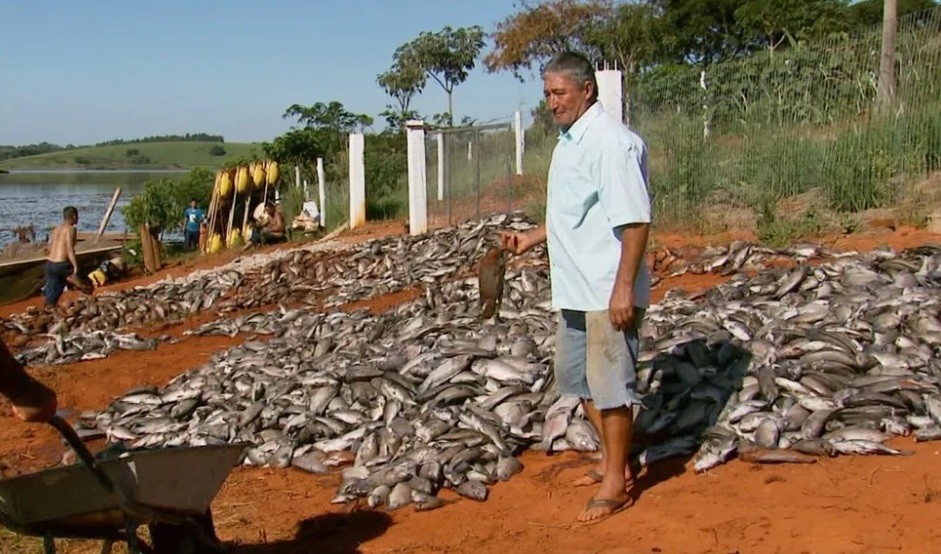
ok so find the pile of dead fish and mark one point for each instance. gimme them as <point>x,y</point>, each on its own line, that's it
<point>67,348</point>
<point>380,266</point>
<point>738,256</point>
<point>825,360</point>
<point>304,275</point>
<point>165,301</point>
<point>791,364</point>
<point>419,398</point>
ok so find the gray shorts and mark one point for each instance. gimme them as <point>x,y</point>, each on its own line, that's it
<point>593,360</point>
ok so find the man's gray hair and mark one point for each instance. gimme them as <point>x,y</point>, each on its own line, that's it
<point>576,67</point>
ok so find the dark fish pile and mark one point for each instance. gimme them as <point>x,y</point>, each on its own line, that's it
<point>838,358</point>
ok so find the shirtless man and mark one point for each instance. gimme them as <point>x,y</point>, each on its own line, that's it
<point>271,231</point>
<point>61,262</point>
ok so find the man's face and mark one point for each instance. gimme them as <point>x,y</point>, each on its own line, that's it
<point>193,204</point>
<point>566,99</point>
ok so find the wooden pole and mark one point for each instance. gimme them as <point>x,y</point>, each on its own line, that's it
<point>107,217</point>
<point>228,229</point>
<point>213,208</point>
<point>886,94</point>
<point>248,203</point>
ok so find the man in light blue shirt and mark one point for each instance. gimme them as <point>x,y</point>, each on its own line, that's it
<point>597,222</point>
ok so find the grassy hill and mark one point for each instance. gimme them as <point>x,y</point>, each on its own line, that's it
<point>149,155</point>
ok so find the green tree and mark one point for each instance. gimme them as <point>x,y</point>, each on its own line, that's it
<point>446,56</point>
<point>536,33</point>
<point>402,82</point>
<point>702,32</point>
<point>321,133</point>
<point>773,22</point>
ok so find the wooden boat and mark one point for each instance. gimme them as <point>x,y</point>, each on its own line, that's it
<point>23,277</point>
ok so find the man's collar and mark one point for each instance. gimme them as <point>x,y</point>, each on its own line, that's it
<point>577,130</point>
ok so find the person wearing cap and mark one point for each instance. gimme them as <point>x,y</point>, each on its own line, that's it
<point>32,401</point>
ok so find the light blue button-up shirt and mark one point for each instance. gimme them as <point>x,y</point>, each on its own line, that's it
<point>597,184</point>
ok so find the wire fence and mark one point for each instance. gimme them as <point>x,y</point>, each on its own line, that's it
<point>469,173</point>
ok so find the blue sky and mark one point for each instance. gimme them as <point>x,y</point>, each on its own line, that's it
<point>84,72</point>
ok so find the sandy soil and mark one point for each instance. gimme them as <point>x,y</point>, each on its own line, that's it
<point>844,505</point>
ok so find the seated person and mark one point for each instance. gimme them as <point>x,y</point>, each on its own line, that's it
<point>271,231</point>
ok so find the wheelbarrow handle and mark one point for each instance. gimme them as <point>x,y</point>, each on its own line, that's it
<point>74,441</point>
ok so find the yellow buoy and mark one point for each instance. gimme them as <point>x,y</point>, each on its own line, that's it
<point>215,243</point>
<point>235,239</point>
<point>258,175</point>
<point>242,180</point>
<point>273,172</point>
<point>225,184</point>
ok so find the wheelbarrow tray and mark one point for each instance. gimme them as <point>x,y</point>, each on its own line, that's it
<point>70,502</point>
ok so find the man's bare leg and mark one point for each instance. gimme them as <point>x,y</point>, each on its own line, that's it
<point>594,416</point>
<point>617,426</point>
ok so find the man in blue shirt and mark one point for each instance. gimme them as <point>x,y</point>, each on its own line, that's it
<point>193,216</point>
<point>597,222</point>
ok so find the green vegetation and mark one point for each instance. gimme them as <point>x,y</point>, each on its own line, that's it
<point>149,155</point>
<point>162,202</point>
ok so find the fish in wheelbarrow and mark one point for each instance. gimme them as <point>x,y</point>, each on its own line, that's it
<point>490,281</point>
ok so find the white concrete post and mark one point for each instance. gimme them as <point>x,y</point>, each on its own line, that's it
<point>417,194</point>
<point>297,178</point>
<point>440,138</point>
<point>610,92</point>
<point>520,138</point>
<point>323,196</point>
<point>357,181</point>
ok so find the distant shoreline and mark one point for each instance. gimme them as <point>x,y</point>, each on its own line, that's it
<point>51,171</point>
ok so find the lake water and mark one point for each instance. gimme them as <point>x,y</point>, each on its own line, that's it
<point>38,197</point>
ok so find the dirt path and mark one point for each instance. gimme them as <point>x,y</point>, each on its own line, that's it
<point>845,505</point>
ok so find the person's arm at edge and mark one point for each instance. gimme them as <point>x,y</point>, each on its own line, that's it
<point>32,401</point>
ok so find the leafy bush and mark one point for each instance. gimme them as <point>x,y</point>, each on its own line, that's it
<point>162,203</point>
<point>217,150</point>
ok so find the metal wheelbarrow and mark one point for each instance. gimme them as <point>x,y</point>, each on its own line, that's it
<point>169,490</point>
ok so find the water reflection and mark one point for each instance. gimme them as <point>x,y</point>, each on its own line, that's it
<point>37,198</point>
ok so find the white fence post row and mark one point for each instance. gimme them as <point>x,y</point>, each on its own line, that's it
<point>357,181</point>
<point>417,194</point>
<point>611,92</point>
<point>440,138</point>
<point>323,197</point>
<point>520,140</point>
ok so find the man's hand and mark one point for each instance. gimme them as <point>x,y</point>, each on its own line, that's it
<point>621,306</point>
<point>518,243</point>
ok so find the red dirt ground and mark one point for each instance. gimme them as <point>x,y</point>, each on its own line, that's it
<point>845,505</point>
